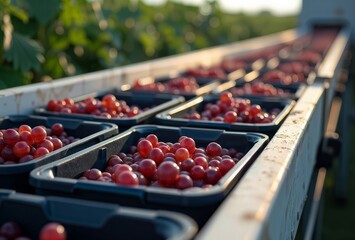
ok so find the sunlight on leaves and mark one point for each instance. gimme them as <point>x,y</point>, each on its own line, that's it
<point>25,53</point>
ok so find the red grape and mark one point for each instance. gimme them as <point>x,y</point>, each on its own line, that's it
<point>226,165</point>
<point>53,231</point>
<point>230,117</point>
<point>214,163</point>
<point>168,172</point>
<point>57,143</point>
<point>175,147</point>
<point>141,179</point>
<point>197,172</point>
<point>201,161</point>
<point>46,144</point>
<point>38,134</point>
<point>11,136</point>
<point>114,159</point>
<point>225,97</point>
<point>254,110</point>
<point>51,105</point>
<point>212,175</point>
<point>25,158</point>
<point>164,148</point>
<point>147,167</point>
<point>21,149</point>
<point>57,129</point>
<point>108,99</point>
<point>8,154</point>
<point>23,128</point>
<point>118,168</point>
<point>93,174</point>
<point>144,147</point>
<point>188,143</point>
<point>156,155</point>
<point>27,137</point>
<point>214,149</point>
<point>153,139</point>
<point>182,154</point>
<point>127,178</point>
<point>183,182</point>
<point>41,151</point>
<point>187,164</point>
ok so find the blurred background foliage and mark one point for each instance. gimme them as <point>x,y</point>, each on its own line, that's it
<point>41,40</point>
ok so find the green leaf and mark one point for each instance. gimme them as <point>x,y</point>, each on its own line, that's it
<point>19,13</point>
<point>77,36</point>
<point>58,43</point>
<point>43,10</point>
<point>73,13</point>
<point>24,52</point>
<point>11,78</point>
<point>53,67</point>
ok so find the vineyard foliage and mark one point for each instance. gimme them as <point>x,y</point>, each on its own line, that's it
<point>42,40</point>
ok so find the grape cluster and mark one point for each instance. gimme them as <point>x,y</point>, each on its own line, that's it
<point>284,76</point>
<point>234,110</point>
<point>175,85</point>
<point>107,107</point>
<point>25,143</point>
<point>259,89</point>
<point>215,72</point>
<point>309,56</point>
<point>230,65</point>
<point>178,165</point>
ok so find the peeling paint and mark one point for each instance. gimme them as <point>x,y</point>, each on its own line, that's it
<point>269,174</point>
<point>18,97</point>
<point>250,216</point>
<point>63,91</point>
<point>295,112</point>
<point>41,95</point>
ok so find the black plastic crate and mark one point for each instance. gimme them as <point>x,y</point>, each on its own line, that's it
<point>61,177</point>
<point>308,80</point>
<point>203,74</point>
<point>293,91</point>
<point>15,176</point>
<point>92,220</point>
<point>206,85</point>
<point>156,103</point>
<point>175,116</point>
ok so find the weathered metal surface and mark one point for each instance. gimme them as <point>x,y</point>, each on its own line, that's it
<point>331,67</point>
<point>268,202</point>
